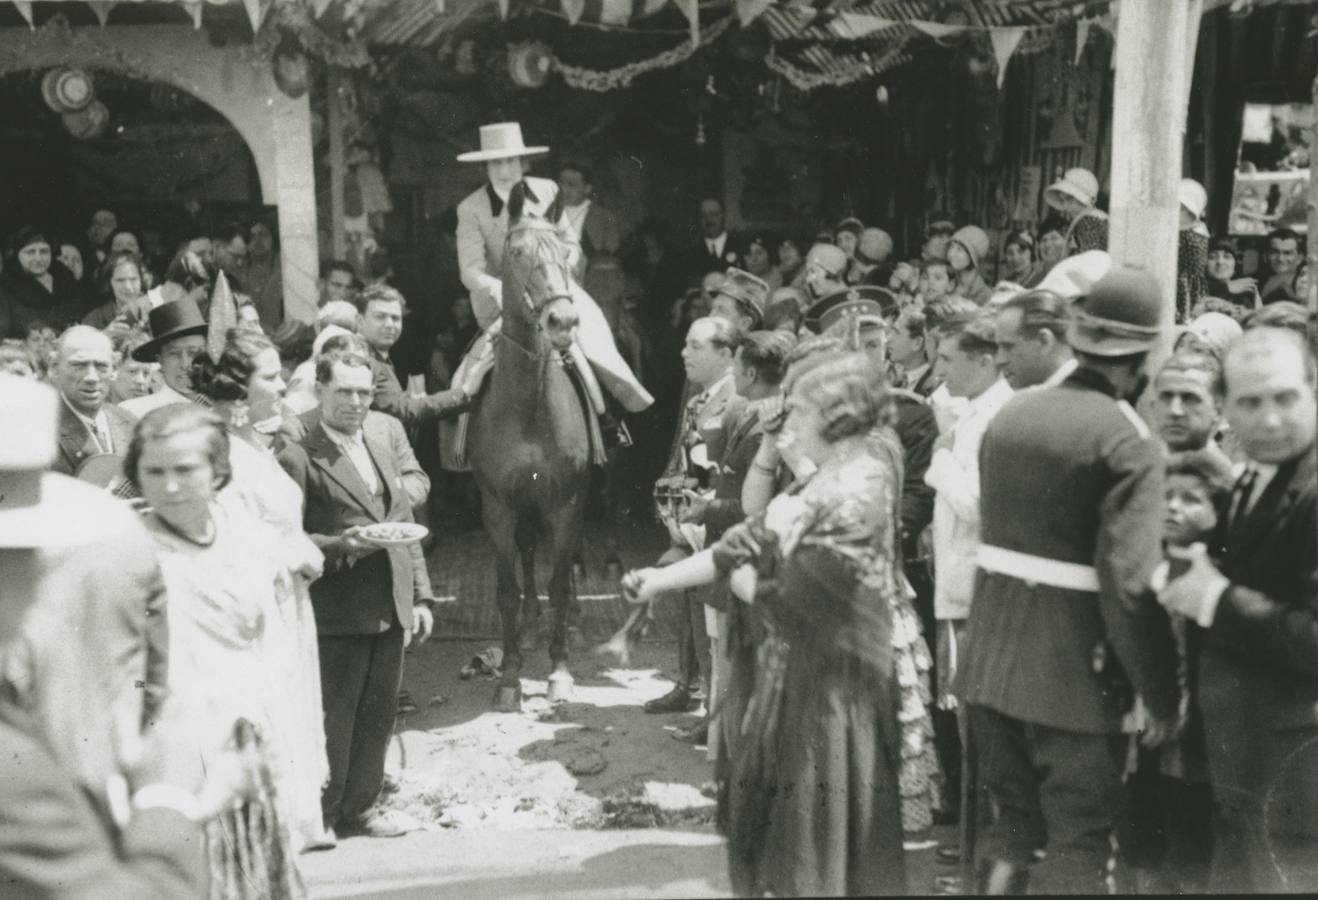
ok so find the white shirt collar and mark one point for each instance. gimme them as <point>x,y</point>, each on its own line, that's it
<point>717,242</point>
<point>914,375</point>
<point>997,393</point>
<point>95,424</point>
<point>342,438</point>
<point>716,386</point>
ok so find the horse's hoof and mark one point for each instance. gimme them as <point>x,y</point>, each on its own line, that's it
<point>508,699</point>
<point>576,640</point>
<point>560,686</point>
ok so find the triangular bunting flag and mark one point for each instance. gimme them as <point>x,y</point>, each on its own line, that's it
<point>617,12</point>
<point>318,7</point>
<point>194,9</point>
<point>503,9</point>
<point>25,10</point>
<point>856,25</point>
<point>691,9</point>
<point>1081,39</point>
<point>1005,41</point>
<point>102,9</point>
<point>750,10</point>
<point>573,10</point>
<point>439,6</point>
<point>938,29</point>
<point>223,316</point>
<point>254,13</point>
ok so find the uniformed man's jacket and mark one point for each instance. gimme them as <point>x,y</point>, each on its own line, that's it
<point>1070,474</point>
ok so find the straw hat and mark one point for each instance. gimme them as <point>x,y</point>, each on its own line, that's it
<point>1078,183</point>
<point>40,508</point>
<point>502,140</point>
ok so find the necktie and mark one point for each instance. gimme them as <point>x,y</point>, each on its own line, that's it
<point>1245,493</point>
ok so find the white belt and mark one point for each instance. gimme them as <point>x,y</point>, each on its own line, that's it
<point>1038,569</point>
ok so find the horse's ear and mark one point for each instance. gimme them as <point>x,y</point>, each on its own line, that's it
<point>516,202</point>
<point>555,209</point>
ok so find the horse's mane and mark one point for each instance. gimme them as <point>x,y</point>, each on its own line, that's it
<point>544,231</point>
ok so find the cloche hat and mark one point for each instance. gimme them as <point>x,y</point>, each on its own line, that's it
<point>1078,183</point>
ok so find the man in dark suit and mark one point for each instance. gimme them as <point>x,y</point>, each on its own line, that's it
<point>89,424</point>
<point>1063,623</point>
<point>758,369</point>
<point>371,600</point>
<point>717,248</point>
<point>1257,613</point>
<point>707,357</point>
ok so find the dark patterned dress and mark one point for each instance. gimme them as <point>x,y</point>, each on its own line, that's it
<point>1087,232</point>
<point>1191,259</point>
<point>813,803</point>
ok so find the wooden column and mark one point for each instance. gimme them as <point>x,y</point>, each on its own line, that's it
<point>1148,115</point>
<point>1312,299</point>
<point>337,161</point>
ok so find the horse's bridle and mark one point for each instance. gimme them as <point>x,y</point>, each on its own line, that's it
<point>564,270</point>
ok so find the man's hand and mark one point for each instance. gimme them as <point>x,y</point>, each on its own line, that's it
<point>772,415</point>
<point>1195,593</point>
<point>423,623</point>
<point>354,545</point>
<point>1243,285</point>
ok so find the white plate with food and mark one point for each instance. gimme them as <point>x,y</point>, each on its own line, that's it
<point>393,534</point>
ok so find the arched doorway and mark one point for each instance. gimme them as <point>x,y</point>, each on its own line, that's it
<point>275,128</point>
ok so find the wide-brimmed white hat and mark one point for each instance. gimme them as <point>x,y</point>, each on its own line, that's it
<point>40,508</point>
<point>502,140</point>
<point>1078,183</point>
<point>1075,276</point>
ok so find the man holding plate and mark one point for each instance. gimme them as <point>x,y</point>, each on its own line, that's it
<point>374,596</point>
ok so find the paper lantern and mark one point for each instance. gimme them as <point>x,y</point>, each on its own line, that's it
<point>529,64</point>
<point>88,122</point>
<point>291,69</point>
<point>67,90</point>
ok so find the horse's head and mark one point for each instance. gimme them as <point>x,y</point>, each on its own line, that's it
<point>537,263</point>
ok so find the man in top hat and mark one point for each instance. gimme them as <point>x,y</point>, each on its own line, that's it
<point>178,335</point>
<point>1073,196</point>
<point>1065,628</point>
<point>89,425</point>
<point>740,299</point>
<point>73,619</point>
<point>481,232</point>
<point>825,271</point>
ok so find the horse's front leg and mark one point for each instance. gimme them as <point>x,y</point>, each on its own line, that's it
<point>564,536</point>
<point>508,697</point>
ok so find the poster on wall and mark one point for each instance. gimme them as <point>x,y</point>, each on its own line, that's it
<point>1263,201</point>
<point>1027,195</point>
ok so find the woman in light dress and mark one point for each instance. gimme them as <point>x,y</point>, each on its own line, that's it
<point>245,387</point>
<point>226,640</point>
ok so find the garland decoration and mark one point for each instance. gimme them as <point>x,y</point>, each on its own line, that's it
<point>613,79</point>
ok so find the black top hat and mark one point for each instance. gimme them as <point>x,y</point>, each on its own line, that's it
<point>866,301</point>
<point>177,318</point>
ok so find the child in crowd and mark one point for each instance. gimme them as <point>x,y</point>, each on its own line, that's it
<point>1169,838</point>
<point>935,281</point>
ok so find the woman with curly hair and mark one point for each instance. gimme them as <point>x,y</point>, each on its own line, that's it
<point>246,388</point>
<point>813,797</point>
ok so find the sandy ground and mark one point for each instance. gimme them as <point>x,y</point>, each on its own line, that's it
<point>596,761</point>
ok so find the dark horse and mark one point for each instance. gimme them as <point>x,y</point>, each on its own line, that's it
<point>529,444</point>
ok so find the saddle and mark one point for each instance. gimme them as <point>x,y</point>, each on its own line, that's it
<point>453,435</point>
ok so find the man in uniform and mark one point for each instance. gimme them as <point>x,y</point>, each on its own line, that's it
<point>1064,622</point>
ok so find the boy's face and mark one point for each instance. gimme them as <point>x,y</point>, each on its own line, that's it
<point>1190,512</point>
<point>937,283</point>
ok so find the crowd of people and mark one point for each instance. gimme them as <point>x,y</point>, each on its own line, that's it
<point>940,557</point>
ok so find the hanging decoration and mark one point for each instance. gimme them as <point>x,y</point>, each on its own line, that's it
<point>88,122</point>
<point>529,64</point>
<point>66,90</point>
<point>1005,41</point>
<point>613,79</point>
<point>292,72</point>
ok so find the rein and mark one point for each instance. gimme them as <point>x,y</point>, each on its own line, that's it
<point>541,264</point>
